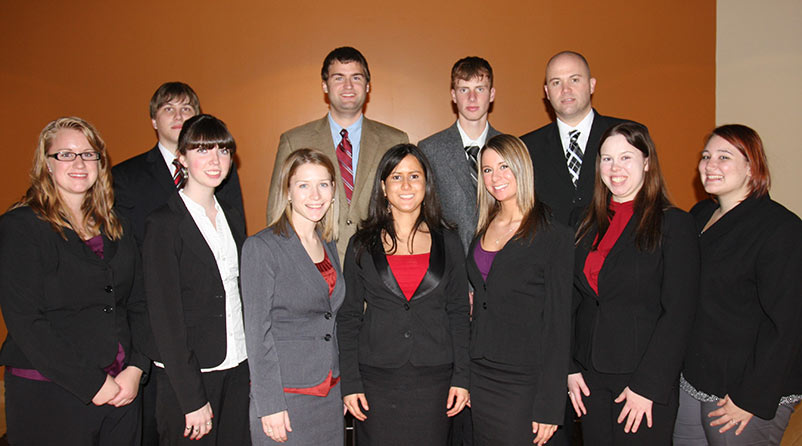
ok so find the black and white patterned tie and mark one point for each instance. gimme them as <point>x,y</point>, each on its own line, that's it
<point>471,153</point>
<point>573,156</point>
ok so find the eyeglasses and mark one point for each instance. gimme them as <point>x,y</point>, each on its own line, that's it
<point>70,156</point>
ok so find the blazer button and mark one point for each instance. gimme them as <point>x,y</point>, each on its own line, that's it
<point>597,303</point>
<point>484,305</point>
<point>327,338</point>
<point>327,315</point>
<point>108,309</point>
<point>406,307</point>
<point>348,222</point>
<point>109,288</point>
<point>408,334</point>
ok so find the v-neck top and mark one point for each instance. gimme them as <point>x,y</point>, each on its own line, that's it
<point>622,213</point>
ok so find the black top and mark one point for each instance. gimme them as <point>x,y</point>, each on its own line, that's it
<point>67,309</point>
<point>640,321</point>
<point>746,339</point>
<point>377,326</point>
<point>522,313</point>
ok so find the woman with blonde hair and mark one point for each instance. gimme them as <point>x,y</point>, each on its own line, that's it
<point>520,268</point>
<point>292,287</point>
<point>72,299</point>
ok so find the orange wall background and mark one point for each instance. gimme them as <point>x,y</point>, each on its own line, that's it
<point>256,64</point>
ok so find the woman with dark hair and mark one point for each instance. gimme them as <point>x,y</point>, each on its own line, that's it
<point>403,328</point>
<point>292,288</point>
<point>520,269</point>
<point>72,299</point>
<point>636,286</point>
<point>743,369</point>
<point>191,257</point>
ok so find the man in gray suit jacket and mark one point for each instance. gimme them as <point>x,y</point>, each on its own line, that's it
<point>451,151</point>
<point>346,82</point>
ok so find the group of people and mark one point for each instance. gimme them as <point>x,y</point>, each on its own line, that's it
<point>475,289</point>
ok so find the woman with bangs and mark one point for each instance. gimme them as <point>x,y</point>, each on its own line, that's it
<point>191,256</point>
<point>520,268</point>
<point>636,286</point>
<point>743,369</point>
<point>72,298</point>
<point>292,287</point>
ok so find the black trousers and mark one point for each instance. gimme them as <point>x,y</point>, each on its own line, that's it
<point>600,426</point>
<point>228,393</point>
<point>42,413</point>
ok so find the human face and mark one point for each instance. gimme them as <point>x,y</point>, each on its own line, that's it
<point>724,170</point>
<point>72,178</point>
<point>568,88</point>
<point>622,167</point>
<point>311,192</point>
<point>170,118</point>
<point>405,187</point>
<point>498,177</point>
<point>347,88</point>
<point>473,97</point>
<point>206,168</point>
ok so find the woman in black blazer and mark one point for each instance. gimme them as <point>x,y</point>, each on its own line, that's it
<point>403,328</point>
<point>743,370</point>
<point>520,269</point>
<point>191,257</point>
<point>72,299</point>
<point>636,286</point>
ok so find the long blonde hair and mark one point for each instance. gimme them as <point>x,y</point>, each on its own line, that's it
<point>43,197</point>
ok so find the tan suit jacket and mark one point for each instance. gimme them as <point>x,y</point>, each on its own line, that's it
<point>376,139</point>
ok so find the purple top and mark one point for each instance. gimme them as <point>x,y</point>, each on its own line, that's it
<point>96,245</point>
<point>484,259</point>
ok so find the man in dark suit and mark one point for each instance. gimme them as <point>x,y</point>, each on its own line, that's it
<point>145,182</point>
<point>452,154</point>
<point>564,152</point>
<point>354,144</point>
<point>453,151</point>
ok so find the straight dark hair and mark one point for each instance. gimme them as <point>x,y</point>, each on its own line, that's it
<point>650,202</point>
<point>380,222</point>
<point>205,131</point>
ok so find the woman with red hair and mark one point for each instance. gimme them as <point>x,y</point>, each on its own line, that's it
<point>742,372</point>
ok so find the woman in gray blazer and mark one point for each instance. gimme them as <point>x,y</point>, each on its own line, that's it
<point>292,287</point>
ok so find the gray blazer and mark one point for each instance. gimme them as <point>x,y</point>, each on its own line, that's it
<point>455,187</point>
<point>289,317</point>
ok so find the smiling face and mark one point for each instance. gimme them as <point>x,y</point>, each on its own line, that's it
<point>310,192</point>
<point>170,118</point>
<point>498,177</point>
<point>473,97</point>
<point>206,168</point>
<point>405,187</point>
<point>724,170</point>
<point>347,87</point>
<point>72,178</point>
<point>622,167</point>
<point>569,87</point>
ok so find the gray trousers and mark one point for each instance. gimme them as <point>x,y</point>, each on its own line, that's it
<point>692,427</point>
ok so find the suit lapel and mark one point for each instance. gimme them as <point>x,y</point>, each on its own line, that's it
<point>587,173</point>
<point>159,171</point>
<point>454,152</point>
<point>555,150</point>
<point>369,154</point>
<point>190,233</point>
<point>434,274</point>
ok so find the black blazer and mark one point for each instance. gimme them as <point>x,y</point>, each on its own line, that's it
<point>747,335</point>
<point>522,314</point>
<point>552,180</point>
<point>429,330</point>
<point>640,321</point>
<point>186,297</point>
<point>144,183</point>
<point>67,309</point>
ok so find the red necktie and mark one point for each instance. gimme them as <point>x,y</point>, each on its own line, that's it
<point>178,177</point>
<point>344,156</point>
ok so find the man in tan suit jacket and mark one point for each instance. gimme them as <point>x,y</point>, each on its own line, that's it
<point>346,82</point>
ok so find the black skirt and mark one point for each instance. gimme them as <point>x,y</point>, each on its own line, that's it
<point>407,406</point>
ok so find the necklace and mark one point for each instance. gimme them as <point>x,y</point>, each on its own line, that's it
<point>498,240</point>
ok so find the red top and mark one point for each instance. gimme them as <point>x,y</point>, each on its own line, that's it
<point>330,275</point>
<point>409,271</point>
<point>622,212</point>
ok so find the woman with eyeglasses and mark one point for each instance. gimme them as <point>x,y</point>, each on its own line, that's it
<point>191,256</point>
<point>72,298</point>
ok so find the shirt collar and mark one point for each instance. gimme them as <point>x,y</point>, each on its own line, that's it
<point>467,141</point>
<point>351,128</point>
<point>168,157</point>
<point>195,209</point>
<point>583,126</point>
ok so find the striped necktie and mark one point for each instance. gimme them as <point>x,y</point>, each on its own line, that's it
<point>179,177</point>
<point>472,153</point>
<point>345,158</point>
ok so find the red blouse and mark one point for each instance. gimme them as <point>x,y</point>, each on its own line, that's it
<point>622,212</point>
<point>409,271</point>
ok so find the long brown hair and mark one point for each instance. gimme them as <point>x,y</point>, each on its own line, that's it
<point>43,197</point>
<point>650,202</point>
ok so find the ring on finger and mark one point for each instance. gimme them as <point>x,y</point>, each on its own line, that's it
<point>189,428</point>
